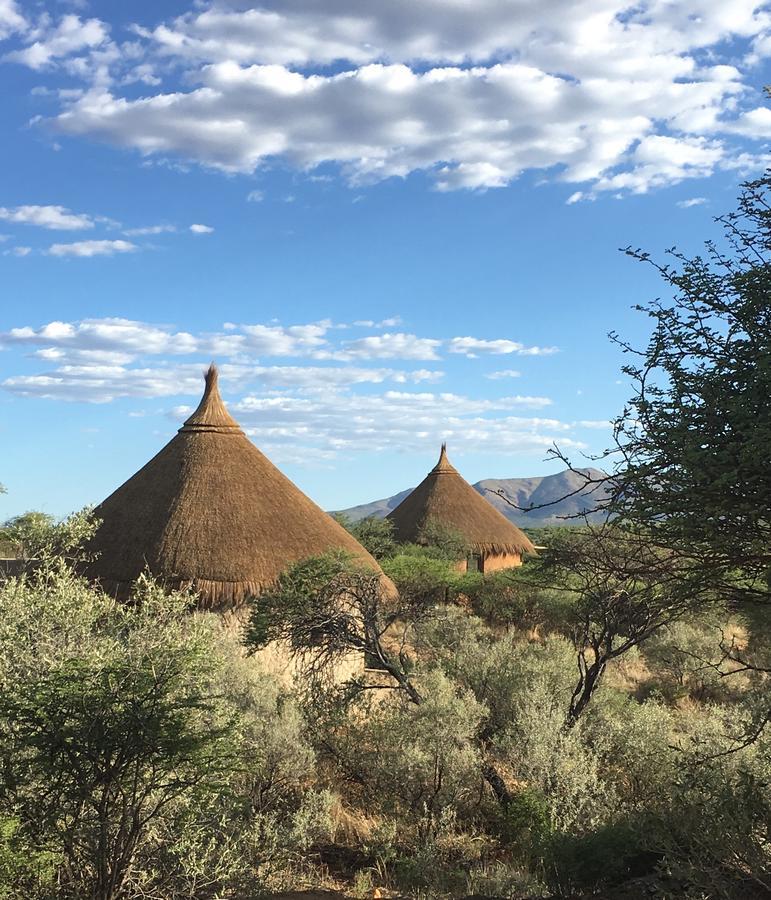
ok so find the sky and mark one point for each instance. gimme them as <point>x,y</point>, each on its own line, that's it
<point>389,222</point>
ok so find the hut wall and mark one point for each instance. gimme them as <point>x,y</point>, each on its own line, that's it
<point>493,562</point>
<point>276,660</point>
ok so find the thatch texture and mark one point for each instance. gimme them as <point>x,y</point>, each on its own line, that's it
<point>211,512</point>
<point>447,499</point>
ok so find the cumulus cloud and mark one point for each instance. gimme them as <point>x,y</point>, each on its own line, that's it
<point>69,37</point>
<point>471,347</point>
<point>692,201</point>
<point>150,229</point>
<point>103,375</point>
<point>391,322</point>
<point>56,218</point>
<point>590,34</point>
<point>474,128</point>
<point>624,97</point>
<point>395,420</point>
<point>319,341</point>
<point>594,423</point>
<point>109,334</point>
<point>11,19</point>
<point>331,402</point>
<point>659,160</point>
<point>92,248</point>
<point>280,340</point>
<point>315,407</point>
<point>386,346</point>
<point>503,373</point>
<point>201,229</point>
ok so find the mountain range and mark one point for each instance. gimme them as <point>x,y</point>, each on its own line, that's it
<point>563,490</point>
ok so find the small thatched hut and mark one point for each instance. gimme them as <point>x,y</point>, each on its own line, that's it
<point>210,512</point>
<point>446,499</point>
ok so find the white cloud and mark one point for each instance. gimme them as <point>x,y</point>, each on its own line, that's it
<point>150,229</point>
<point>590,34</point>
<point>11,20</point>
<point>319,378</point>
<point>385,346</point>
<point>471,347</point>
<point>280,340</point>
<point>70,36</point>
<point>57,218</point>
<point>391,322</point>
<point>20,251</point>
<point>594,423</point>
<point>394,420</point>
<point>503,373</point>
<point>659,160</point>
<point>201,229</point>
<point>473,93</point>
<point>102,375</point>
<point>692,201</point>
<point>255,196</point>
<point>114,335</point>
<point>240,342</point>
<point>756,123</point>
<point>324,413</point>
<point>326,408</point>
<point>92,248</point>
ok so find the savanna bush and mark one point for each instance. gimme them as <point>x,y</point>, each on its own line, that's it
<point>142,751</point>
<point>414,761</point>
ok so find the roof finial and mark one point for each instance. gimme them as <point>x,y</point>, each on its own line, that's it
<point>444,464</point>
<point>211,414</point>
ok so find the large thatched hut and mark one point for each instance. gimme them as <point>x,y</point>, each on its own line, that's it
<point>445,499</point>
<point>210,512</point>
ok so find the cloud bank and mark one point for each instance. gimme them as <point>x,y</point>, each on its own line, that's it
<point>296,386</point>
<point>610,95</point>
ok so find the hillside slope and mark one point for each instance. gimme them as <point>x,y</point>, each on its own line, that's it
<point>524,492</point>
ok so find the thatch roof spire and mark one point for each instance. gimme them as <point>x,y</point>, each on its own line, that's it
<point>444,465</point>
<point>211,512</point>
<point>444,497</point>
<point>211,414</point>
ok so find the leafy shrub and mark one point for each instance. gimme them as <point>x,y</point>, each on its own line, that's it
<point>606,857</point>
<point>25,872</point>
<point>419,573</point>
<point>685,656</point>
<point>376,535</point>
<point>413,761</point>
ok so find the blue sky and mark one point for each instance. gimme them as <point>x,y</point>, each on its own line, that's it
<point>390,223</point>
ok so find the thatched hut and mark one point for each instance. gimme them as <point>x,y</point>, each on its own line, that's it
<point>444,498</point>
<point>210,512</point>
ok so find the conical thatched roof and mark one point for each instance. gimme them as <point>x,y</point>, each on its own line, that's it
<point>446,498</point>
<point>213,513</point>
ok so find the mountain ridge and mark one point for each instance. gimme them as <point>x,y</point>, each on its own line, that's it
<point>562,491</point>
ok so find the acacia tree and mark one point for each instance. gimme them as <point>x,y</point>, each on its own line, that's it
<point>623,589</point>
<point>690,478</point>
<point>326,609</point>
<point>690,450</point>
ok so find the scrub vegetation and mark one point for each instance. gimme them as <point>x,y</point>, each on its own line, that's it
<point>592,724</point>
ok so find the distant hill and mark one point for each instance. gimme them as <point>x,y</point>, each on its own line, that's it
<point>521,491</point>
